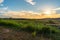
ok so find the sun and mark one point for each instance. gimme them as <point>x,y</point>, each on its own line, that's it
<point>47,12</point>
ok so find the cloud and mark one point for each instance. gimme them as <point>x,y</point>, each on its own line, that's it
<point>57,9</point>
<point>20,14</point>
<point>24,11</point>
<point>31,2</point>
<point>3,10</point>
<point>1,1</point>
<point>28,14</point>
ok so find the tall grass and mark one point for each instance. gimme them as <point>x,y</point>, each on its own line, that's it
<point>34,26</point>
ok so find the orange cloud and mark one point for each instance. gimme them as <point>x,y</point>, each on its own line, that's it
<point>30,15</point>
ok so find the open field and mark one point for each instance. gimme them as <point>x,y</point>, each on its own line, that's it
<point>44,29</point>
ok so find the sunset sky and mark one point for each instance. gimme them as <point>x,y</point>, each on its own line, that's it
<point>28,5</point>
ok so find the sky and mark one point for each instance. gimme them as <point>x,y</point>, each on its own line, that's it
<point>28,5</point>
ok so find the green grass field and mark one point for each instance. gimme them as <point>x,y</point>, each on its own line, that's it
<point>36,27</point>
